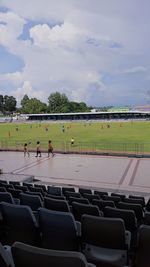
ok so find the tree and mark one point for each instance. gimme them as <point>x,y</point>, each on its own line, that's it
<point>57,102</point>
<point>1,103</point>
<point>34,106</point>
<point>24,101</point>
<point>9,103</point>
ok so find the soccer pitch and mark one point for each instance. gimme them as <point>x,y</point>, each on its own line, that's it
<point>89,135</point>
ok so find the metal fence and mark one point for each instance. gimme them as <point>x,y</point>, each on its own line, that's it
<point>109,148</point>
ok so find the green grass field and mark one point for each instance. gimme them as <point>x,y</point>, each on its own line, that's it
<point>92,136</point>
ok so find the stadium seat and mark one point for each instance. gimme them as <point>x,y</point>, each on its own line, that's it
<point>14,183</point>
<point>41,186</point>
<point>56,197</point>
<point>85,191</point>
<point>15,192</point>
<point>118,195</point>
<point>67,189</point>
<point>137,208</point>
<point>5,258</point>
<point>3,189</point>
<point>23,188</point>
<point>69,194</point>
<point>133,201</point>
<point>27,184</point>
<point>100,193</point>
<point>56,204</point>
<point>147,218</point>
<point>33,201</point>
<point>90,197</point>
<point>29,256</point>
<point>6,197</point>
<point>20,224</point>
<point>148,205</point>
<point>104,241</point>
<point>112,198</point>
<point>37,190</point>
<point>79,209</point>
<point>59,230</point>
<point>103,203</point>
<point>138,197</point>
<point>142,258</point>
<point>78,200</point>
<point>35,194</point>
<point>54,190</point>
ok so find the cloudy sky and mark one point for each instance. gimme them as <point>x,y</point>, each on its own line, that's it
<point>96,51</point>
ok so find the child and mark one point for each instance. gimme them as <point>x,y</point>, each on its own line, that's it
<point>50,148</point>
<point>38,150</point>
<point>26,150</point>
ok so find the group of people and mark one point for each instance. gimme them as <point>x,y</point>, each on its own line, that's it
<point>38,149</point>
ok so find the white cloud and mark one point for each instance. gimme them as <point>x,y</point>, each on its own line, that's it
<point>15,77</point>
<point>134,70</point>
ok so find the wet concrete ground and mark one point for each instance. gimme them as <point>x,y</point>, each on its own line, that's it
<point>92,171</point>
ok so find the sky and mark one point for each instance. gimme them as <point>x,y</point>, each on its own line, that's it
<point>94,51</point>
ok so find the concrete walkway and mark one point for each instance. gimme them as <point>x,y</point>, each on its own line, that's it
<point>96,172</point>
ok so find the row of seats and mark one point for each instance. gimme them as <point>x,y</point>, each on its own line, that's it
<point>101,240</point>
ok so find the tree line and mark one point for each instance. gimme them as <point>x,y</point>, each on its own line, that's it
<point>57,103</point>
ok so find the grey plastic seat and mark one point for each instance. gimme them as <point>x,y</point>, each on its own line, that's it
<point>37,189</point>
<point>79,209</point>
<point>78,200</point>
<point>138,197</point>
<point>69,194</point>
<point>122,196</point>
<point>6,197</point>
<point>100,193</point>
<point>15,192</point>
<point>59,230</point>
<point>20,224</point>
<point>33,201</point>
<point>56,197</point>
<point>40,186</point>
<point>3,189</point>
<point>137,208</point>
<point>147,218</point>
<point>56,204</point>
<point>103,203</point>
<point>91,197</point>
<point>23,188</point>
<point>14,182</point>
<point>29,256</point>
<point>85,191</point>
<point>54,190</point>
<point>67,189</point>
<point>112,198</point>
<point>142,258</point>
<point>104,241</point>
<point>35,194</point>
<point>133,201</point>
<point>5,258</point>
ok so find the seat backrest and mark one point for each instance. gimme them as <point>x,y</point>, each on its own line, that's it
<point>85,191</point>
<point>58,230</point>
<point>142,258</point>
<point>112,198</point>
<point>138,197</point>
<point>5,260</point>
<point>37,189</point>
<point>78,200</point>
<point>103,232</point>
<point>103,203</point>
<point>67,189</point>
<point>90,197</point>
<point>147,218</point>
<point>137,208</point>
<point>133,201</point>
<point>54,190</point>
<point>79,209</point>
<point>3,189</point>
<point>23,188</point>
<point>128,217</point>
<point>56,204</point>
<point>25,255</point>
<point>100,193</point>
<point>40,186</point>
<point>35,194</point>
<point>14,182</point>
<point>20,224</point>
<point>33,201</point>
<point>56,197</point>
<point>69,194</point>
<point>6,197</point>
<point>15,192</point>
<point>122,196</point>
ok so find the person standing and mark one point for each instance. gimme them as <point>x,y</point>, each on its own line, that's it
<point>38,149</point>
<point>50,148</point>
<point>26,152</point>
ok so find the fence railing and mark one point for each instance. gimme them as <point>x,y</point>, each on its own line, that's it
<point>137,149</point>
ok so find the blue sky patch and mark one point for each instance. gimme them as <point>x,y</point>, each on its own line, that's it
<point>9,62</point>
